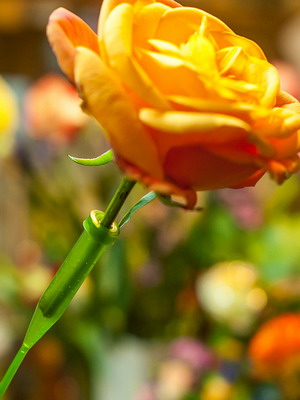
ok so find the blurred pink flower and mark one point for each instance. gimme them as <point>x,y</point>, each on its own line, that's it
<point>289,77</point>
<point>244,206</point>
<point>193,353</point>
<point>52,110</point>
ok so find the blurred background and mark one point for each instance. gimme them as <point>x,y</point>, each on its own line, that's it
<point>188,305</point>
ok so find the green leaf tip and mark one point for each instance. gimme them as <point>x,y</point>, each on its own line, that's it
<point>105,158</point>
<point>141,203</point>
<point>167,200</point>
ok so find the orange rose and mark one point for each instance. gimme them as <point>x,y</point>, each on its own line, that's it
<point>275,344</point>
<point>186,103</point>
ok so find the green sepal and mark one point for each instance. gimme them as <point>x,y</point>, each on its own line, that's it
<point>105,158</point>
<point>141,203</point>
<point>167,200</point>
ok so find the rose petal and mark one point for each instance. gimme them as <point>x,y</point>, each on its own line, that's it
<point>199,169</point>
<point>290,121</point>
<point>281,122</point>
<point>157,185</point>
<point>265,75</point>
<point>251,181</point>
<point>165,47</point>
<point>65,32</point>
<point>118,45</point>
<point>170,3</point>
<point>204,60</point>
<point>230,61</point>
<point>228,39</point>
<point>165,60</point>
<point>295,107</point>
<point>109,5</point>
<point>280,170</point>
<point>146,21</point>
<point>181,122</point>
<point>285,147</point>
<point>189,20</point>
<point>187,80</point>
<point>248,70</point>
<point>106,8</point>
<point>243,110</point>
<point>239,151</point>
<point>105,99</point>
<point>284,98</point>
<point>209,130</point>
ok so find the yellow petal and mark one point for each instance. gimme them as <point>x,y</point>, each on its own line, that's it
<point>118,32</point>
<point>250,75</point>
<point>204,128</point>
<point>187,80</point>
<point>65,32</point>
<point>265,75</point>
<point>254,77</point>
<point>227,39</point>
<point>284,98</point>
<point>200,51</point>
<point>146,21</point>
<point>118,45</point>
<point>230,60</point>
<point>241,86</point>
<point>177,25</point>
<point>165,47</point>
<point>105,99</point>
<point>289,122</point>
<point>170,3</point>
<point>165,60</point>
<point>222,107</point>
<point>109,5</point>
<point>106,8</point>
<point>180,122</point>
<point>295,107</point>
<point>141,4</point>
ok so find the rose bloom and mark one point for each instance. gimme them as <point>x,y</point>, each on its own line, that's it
<point>275,344</point>
<point>52,110</point>
<point>186,103</point>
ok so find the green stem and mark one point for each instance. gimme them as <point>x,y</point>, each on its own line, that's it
<point>99,233</point>
<point>14,366</point>
<point>117,201</point>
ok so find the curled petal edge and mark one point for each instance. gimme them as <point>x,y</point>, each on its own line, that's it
<point>156,185</point>
<point>66,31</point>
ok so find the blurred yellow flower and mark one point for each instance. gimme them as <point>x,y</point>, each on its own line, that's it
<point>186,103</point>
<point>8,118</point>
<point>230,293</point>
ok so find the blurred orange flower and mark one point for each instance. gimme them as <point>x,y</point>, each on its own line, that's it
<point>52,110</point>
<point>186,103</point>
<point>275,344</point>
